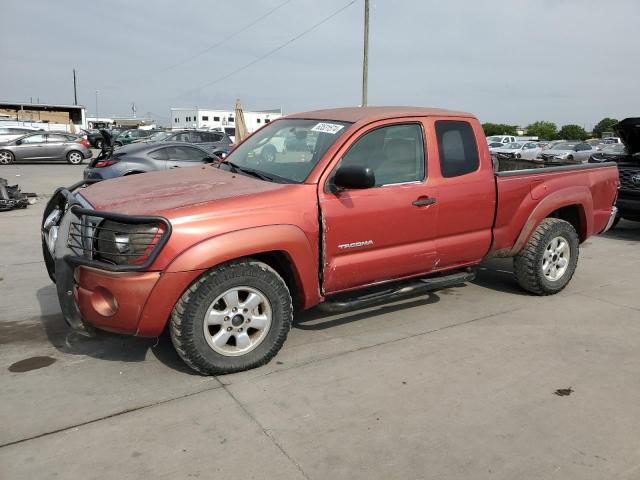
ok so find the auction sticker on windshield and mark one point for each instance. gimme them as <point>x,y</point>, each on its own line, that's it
<point>331,128</point>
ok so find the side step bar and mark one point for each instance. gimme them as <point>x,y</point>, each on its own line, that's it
<point>342,303</point>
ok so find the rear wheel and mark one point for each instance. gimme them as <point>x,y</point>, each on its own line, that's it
<point>74,157</point>
<point>548,261</point>
<point>235,317</point>
<point>6,157</point>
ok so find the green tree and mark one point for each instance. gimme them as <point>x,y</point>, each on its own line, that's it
<point>604,125</point>
<point>499,129</point>
<point>572,132</point>
<point>543,130</point>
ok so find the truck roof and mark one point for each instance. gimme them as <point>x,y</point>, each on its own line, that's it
<point>356,114</point>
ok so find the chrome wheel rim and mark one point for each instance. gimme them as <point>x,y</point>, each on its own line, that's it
<point>5,158</point>
<point>75,158</point>
<point>237,321</point>
<point>556,257</point>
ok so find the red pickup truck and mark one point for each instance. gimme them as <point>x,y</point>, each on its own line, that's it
<point>339,208</point>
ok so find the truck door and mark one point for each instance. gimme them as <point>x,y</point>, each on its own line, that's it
<point>466,193</point>
<point>385,232</point>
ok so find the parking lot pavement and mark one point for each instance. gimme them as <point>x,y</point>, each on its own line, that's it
<point>456,384</point>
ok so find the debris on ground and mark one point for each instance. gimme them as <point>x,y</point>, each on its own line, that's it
<point>11,197</point>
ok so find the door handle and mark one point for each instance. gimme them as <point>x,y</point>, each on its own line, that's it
<point>424,201</point>
<point>175,166</point>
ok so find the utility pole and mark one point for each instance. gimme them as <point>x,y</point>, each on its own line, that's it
<point>97,114</point>
<point>365,59</point>
<point>75,89</point>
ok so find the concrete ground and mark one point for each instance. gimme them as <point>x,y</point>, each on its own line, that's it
<point>453,385</point>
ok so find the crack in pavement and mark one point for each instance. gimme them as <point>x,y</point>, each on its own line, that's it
<point>266,432</point>
<point>113,415</point>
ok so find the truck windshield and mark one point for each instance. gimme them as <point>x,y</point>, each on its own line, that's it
<point>287,149</point>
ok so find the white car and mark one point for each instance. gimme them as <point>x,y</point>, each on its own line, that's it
<point>518,150</point>
<point>11,133</point>
<point>504,139</point>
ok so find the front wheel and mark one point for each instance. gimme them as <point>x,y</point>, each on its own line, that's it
<point>548,261</point>
<point>74,158</point>
<point>6,157</point>
<point>235,317</point>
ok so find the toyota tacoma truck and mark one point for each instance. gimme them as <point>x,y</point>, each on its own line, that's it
<point>381,203</point>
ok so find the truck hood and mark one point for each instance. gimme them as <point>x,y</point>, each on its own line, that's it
<point>155,192</point>
<point>629,132</point>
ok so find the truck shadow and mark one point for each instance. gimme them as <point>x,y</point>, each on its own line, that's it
<point>105,346</point>
<point>497,274</point>
<point>625,230</point>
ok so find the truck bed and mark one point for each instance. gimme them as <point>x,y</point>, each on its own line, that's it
<point>527,192</point>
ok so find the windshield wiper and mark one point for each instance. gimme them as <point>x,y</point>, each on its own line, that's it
<point>235,168</point>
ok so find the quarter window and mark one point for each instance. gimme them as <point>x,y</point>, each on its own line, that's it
<point>394,153</point>
<point>457,148</point>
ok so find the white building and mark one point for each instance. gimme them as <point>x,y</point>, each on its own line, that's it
<point>222,120</point>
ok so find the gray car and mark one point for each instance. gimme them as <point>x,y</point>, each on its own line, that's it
<point>567,152</point>
<point>45,146</point>
<point>147,157</point>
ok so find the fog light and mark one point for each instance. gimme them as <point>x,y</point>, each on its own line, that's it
<point>103,302</point>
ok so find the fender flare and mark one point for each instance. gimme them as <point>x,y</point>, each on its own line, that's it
<point>579,195</point>
<point>288,239</point>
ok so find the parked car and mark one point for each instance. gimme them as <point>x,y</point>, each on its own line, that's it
<point>566,152</point>
<point>145,157</point>
<point>210,140</point>
<point>552,143</point>
<point>227,253</point>
<point>627,157</point>
<point>504,139</point>
<point>154,137</point>
<point>520,150</point>
<point>96,140</point>
<point>129,136</point>
<point>11,133</point>
<point>45,146</point>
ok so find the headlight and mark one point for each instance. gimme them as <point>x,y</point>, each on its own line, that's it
<point>124,243</point>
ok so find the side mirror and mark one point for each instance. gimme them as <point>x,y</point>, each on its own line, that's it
<point>18,142</point>
<point>354,177</point>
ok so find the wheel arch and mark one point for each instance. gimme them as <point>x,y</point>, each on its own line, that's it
<point>575,205</point>
<point>285,248</point>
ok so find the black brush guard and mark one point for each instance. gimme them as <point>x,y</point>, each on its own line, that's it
<point>62,262</point>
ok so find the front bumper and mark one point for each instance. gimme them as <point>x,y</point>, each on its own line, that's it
<point>94,293</point>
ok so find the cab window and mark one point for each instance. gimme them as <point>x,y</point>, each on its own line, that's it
<point>457,148</point>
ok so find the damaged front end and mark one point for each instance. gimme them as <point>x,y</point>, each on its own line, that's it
<point>74,235</point>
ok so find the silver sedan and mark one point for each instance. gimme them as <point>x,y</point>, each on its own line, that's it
<point>45,146</point>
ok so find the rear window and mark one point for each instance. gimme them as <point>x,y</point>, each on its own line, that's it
<point>457,148</point>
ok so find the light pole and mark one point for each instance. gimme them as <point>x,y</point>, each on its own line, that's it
<point>365,59</point>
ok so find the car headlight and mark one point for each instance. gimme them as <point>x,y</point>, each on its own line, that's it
<point>124,243</point>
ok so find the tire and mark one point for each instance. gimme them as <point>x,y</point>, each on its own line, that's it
<point>99,144</point>
<point>74,157</point>
<point>6,157</point>
<point>541,251</point>
<point>207,298</point>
